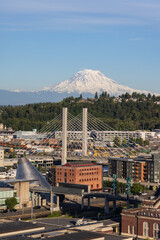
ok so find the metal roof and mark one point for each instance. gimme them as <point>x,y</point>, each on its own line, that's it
<point>27,171</point>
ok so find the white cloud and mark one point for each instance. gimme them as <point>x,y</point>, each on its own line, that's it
<point>134,7</point>
<point>57,14</point>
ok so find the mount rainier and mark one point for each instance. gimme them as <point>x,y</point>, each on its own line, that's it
<point>86,82</point>
<point>90,81</point>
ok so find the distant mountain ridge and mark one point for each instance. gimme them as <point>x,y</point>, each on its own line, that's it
<point>86,82</point>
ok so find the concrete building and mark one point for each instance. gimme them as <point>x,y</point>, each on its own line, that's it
<point>72,135</point>
<point>41,161</point>
<point>81,172</point>
<point>6,191</point>
<point>21,188</point>
<point>36,160</point>
<point>107,136</point>
<point>15,188</point>
<point>29,135</point>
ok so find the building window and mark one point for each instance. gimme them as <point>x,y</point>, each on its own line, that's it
<point>146,229</point>
<point>156,230</point>
<point>133,230</point>
<point>129,229</point>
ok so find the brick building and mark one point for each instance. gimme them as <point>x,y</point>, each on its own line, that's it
<point>143,222</point>
<point>86,173</point>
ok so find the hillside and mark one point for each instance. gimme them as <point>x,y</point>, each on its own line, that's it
<point>127,112</point>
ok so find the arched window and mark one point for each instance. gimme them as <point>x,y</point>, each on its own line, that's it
<point>156,230</point>
<point>129,229</point>
<point>145,229</point>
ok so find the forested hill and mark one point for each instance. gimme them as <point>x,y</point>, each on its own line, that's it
<point>127,112</point>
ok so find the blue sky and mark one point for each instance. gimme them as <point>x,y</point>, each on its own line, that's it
<point>43,42</point>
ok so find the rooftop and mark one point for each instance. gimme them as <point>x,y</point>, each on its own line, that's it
<point>8,227</point>
<point>80,235</point>
<point>79,164</point>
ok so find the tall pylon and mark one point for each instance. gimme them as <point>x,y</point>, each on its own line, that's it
<point>64,136</point>
<point>84,135</point>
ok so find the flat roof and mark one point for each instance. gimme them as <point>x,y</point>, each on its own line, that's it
<point>6,189</point>
<point>8,227</point>
<point>138,159</point>
<point>79,235</point>
<point>20,180</point>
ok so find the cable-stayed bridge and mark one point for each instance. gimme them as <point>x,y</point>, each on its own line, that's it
<point>82,137</point>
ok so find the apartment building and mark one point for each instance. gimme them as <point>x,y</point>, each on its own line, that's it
<point>142,168</point>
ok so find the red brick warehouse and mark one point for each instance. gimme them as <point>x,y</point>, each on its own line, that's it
<point>86,173</point>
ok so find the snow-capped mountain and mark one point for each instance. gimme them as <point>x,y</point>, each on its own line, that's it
<point>90,81</point>
<point>87,82</point>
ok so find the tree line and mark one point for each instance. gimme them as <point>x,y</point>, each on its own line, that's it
<point>127,112</point>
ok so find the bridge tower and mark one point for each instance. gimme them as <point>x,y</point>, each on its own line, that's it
<point>84,133</point>
<point>64,136</point>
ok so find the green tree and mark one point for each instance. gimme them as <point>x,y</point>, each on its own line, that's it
<point>116,142</point>
<point>121,187</point>
<point>139,141</point>
<point>107,183</point>
<point>128,113</point>
<point>96,96</point>
<point>128,186</point>
<point>11,203</point>
<point>80,97</point>
<point>137,188</point>
<point>114,183</point>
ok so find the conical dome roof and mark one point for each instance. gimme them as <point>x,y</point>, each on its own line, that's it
<point>27,171</point>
